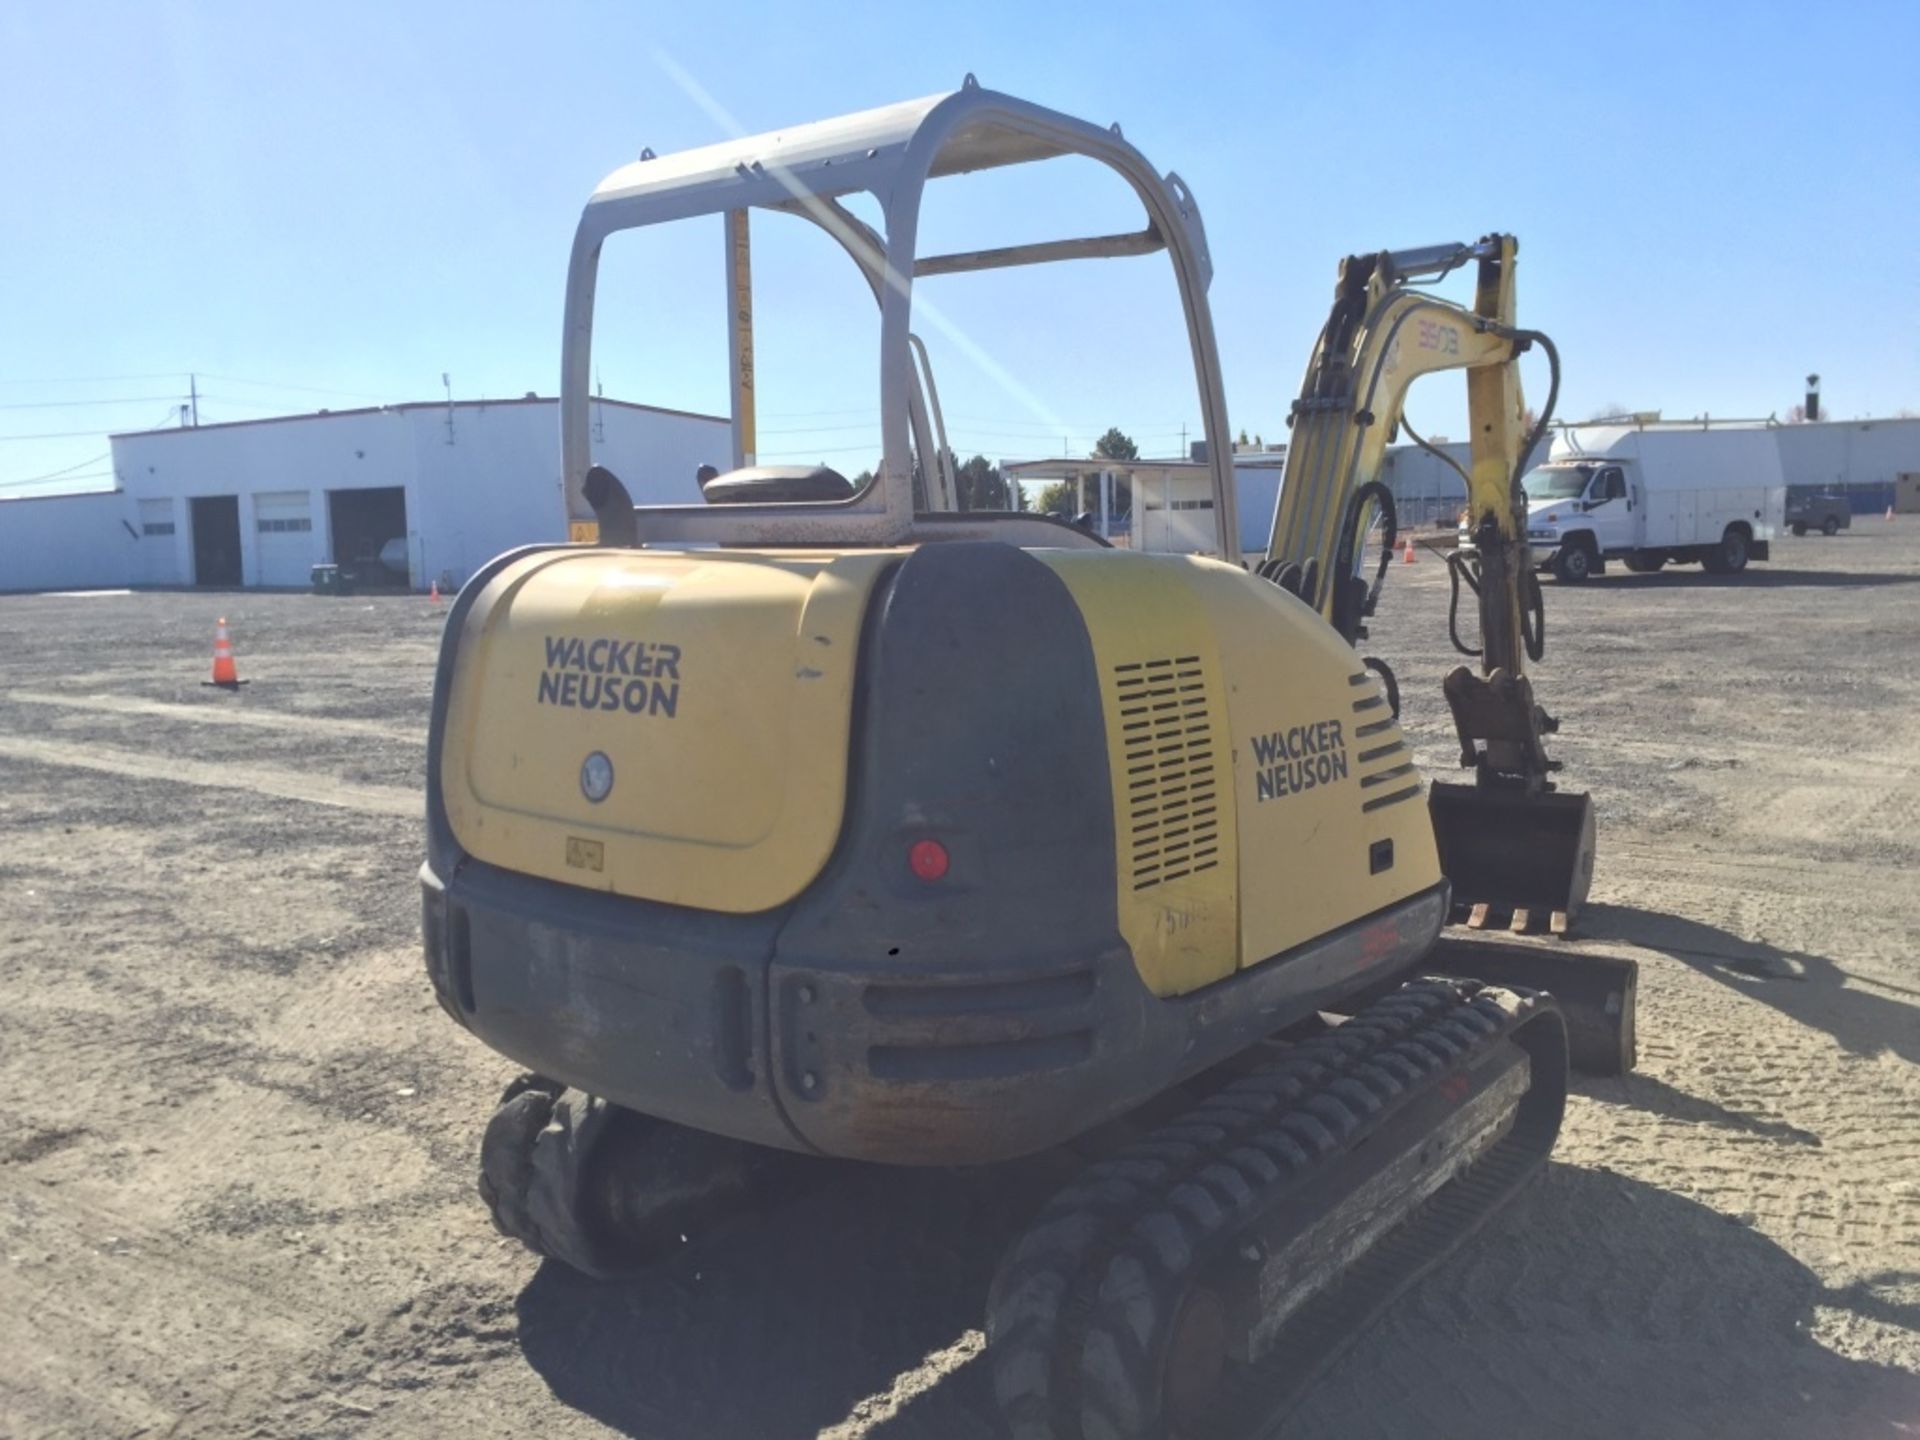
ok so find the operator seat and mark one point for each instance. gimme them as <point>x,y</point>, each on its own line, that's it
<point>757,484</point>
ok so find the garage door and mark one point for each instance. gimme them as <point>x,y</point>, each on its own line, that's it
<point>283,522</point>
<point>159,547</point>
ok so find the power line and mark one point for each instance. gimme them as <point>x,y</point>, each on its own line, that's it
<point>82,404</point>
<point>825,429</point>
<point>873,450</point>
<point>816,414</point>
<point>56,474</point>
<point>309,389</point>
<point>70,479</point>
<point>51,435</point>
<point>24,381</point>
<point>96,379</point>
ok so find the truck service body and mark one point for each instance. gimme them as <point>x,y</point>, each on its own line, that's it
<point>1647,496</point>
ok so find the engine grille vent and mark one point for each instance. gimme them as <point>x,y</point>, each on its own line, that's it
<point>1171,784</point>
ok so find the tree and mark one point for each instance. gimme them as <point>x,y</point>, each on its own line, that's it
<point>1115,446</point>
<point>981,486</point>
<point>1055,498</point>
<point>1612,410</point>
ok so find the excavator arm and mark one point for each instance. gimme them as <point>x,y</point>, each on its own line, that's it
<point>1510,844</point>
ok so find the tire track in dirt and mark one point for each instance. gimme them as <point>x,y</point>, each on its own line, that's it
<point>256,779</point>
<point>245,717</point>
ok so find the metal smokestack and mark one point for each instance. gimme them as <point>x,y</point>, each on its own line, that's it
<point>1813,397</point>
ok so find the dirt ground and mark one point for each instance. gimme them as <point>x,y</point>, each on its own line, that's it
<point>237,1136</point>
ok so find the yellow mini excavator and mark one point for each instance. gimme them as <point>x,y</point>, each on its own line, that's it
<point>824,820</point>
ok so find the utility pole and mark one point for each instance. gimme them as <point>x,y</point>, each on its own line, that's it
<point>446,384</point>
<point>193,397</point>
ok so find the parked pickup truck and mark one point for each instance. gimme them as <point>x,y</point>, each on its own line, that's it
<point>1809,508</point>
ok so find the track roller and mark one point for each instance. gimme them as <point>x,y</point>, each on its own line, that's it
<point>1195,1283</point>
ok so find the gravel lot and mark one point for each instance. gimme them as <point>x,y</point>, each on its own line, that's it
<point>237,1136</point>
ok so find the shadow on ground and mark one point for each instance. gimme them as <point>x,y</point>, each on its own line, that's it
<point>1764,577</point>
<point>1809,989</point>
<point>1596,1305</point>
<point>791,1322</point>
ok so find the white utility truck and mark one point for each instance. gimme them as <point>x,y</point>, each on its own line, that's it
<point>1647,495</point>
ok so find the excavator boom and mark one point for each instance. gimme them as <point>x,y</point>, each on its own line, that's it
<point>1511,845</point>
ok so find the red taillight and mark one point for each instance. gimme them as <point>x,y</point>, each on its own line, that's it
<point>928,859</point>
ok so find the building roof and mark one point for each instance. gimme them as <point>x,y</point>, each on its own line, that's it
<point>1066,467</point>
<point>399,409</point>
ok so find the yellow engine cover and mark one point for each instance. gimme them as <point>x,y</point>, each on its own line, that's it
<point>1263,792</point>
<point>716,684</point>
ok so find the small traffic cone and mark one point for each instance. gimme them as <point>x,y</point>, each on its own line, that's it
<point>225,674</point>
<point>1889,512</point>
<point>1406,555</point>
<point>433,592</point>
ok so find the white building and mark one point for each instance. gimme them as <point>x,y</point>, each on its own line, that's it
<point>261,502</point>
<point>1167,505</point>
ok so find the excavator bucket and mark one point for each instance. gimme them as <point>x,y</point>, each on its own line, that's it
<point>1517,859</point>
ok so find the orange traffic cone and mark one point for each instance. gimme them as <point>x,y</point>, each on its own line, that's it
<point>433,592</point>
<point>225,674</point>
<point>1406,555</point>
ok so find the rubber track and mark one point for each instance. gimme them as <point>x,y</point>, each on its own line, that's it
<point>530,1163</point>
<point>1081,1300</point>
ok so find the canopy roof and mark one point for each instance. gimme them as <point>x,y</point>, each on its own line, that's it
<point>840,155</point>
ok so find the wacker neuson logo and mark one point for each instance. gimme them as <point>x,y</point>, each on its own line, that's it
<point>641,677</point>
<point>1298,758</point>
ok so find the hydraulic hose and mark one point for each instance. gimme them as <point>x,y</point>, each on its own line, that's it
<point>1387,678</point>
<point>1459,568</point>
<point>1351,606</point>
<point>1533,617</point>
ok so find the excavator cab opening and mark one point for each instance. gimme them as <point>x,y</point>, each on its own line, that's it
<point>862,181</point>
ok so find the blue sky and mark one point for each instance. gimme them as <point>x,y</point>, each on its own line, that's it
<point>333,205</point>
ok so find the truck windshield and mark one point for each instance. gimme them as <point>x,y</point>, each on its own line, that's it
<point>1556,482</point>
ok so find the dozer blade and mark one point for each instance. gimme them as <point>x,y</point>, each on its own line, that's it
<point>1197,1282</point>
<point>1596,993</point>
<point>1513,859</point>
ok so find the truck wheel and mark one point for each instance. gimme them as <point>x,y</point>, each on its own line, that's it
<point>1573,564</point>
<point>1729,557</point>
<point>1800,527</point>
<point>1647,562</point>
<point>1830,526</point>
